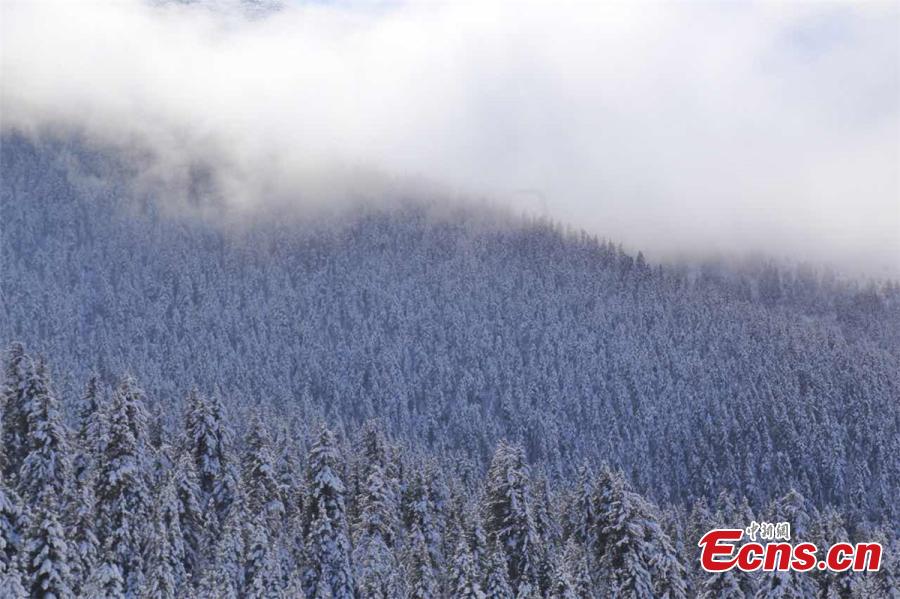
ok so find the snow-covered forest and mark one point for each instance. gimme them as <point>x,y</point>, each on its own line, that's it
<point>118,506</point>
<point>417,403</point>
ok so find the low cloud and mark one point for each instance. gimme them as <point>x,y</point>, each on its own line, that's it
<point>676,129</point>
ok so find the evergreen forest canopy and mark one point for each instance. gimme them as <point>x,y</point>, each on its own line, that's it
<point>416,405</point>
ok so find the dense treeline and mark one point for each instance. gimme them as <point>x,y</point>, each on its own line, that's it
<point>458,331</point>
<point>118,505</point>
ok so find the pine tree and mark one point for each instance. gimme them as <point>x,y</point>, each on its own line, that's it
<point>190,514</point>
<point>326,528</point>
<point>721,584</point>
<point>624,550</point>
<point>373,557</point>
<point>88,410</point>
<point>294,587</point>
<point>46,468</point>
<point>669,575</point>
<point>264,494</point>
<point>224,575</point>
<point>497,584</point>
<point>575,557</point>
<point>165,555</point>
<point>548,531</point>
<point>47,555</point>
<point>105,581</point>
<point>377,569</point>
<point>14,401</point>
<point>780,585</point>
<point>421,512</point>
<point>478,540</point>
<point>11,584</point>
<point>261,575</point>
<point>563,583</point>
<point>465,579</point>
<point>422,580</point>
<point>209,442</point>
<point>123,500</point>
<point>529,590</point>
<point>379,493</point>
<point>11,545</point>
<point>84,543</point>
<point>508,517</point>
<point>290,479</point>
<point>734,514</point>
<point>582,518</point>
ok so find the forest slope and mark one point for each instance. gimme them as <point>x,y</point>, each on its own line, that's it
<point>458,331</point>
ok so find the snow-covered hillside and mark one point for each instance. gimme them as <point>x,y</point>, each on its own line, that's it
<point>455,330</point>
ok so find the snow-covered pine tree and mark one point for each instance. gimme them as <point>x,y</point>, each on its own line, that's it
<point>698,521</point>
<point>122,492</point>
<point>422,582</point>
<point>209,443</point>
<point>377,507</point>
<point>165,554</point>
<point>576,557</point>
<point>377,570</point>
<point>781,585</point>
<point>190,514</point>
<point>734,513</point>
<point>81,510</point>
<point>105,581</point>
<point>562,584</point>
<point>477,537</point>
<point>624,552</point>
<point>223,577</point>
<point>93,429</point>
<point>577,504</point>
<point>496,585</point>
<point>87,410</point>
<point>465,577</point>
<point>84,544</point>
<point>669,575</point>
<point>14,401</point>
<point>438,501</point>
<point>529,590</point>
<point>724,585</point>
<point>294,587</point>
<point>376,565</point>
<point>262,488</point>
<point>47,554</point>
<point>327,541</point>
<point>262,577</point>
<point>376,456</point>
<point>45,473</point>
<point>293,547</point>
<point>290,474</point>
<point>420,512</point>
<point>508,518</point>
<point>11,544</point>
<point>548,530</point>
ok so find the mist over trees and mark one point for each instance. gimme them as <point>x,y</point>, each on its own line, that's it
<point>413,405</point>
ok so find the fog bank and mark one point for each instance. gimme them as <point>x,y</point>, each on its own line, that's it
<point>673,128</point>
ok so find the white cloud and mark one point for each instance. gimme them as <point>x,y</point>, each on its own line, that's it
<point>724,127</point>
